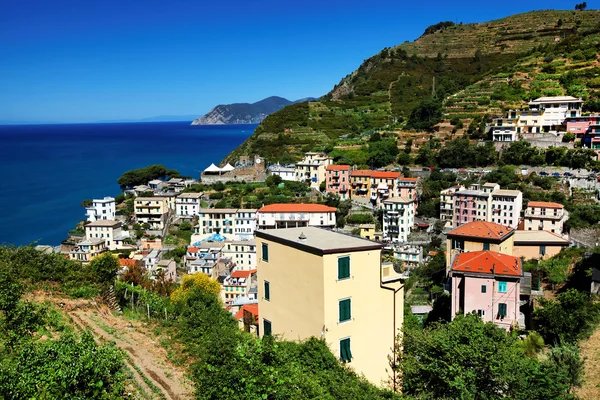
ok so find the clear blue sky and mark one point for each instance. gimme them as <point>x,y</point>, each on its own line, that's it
<point>89,60</point>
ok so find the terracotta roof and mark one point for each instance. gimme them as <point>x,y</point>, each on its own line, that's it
<point>127,262</point>
<point>362,172</point>
<point>251,308</point>
<point>192,249</point>
<point>409,179</point>
<point>482,229</point>
<point>242,274</point>
<point>301,207</point>
<point>385,175</point>
<point>487,262</point>
<point>338,168</point>
<point>544,204</point>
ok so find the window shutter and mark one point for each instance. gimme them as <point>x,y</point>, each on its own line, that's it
<point>343,267</point>
<point>345,312</point>
<point>345,352</point>
<point>502,309</point>
<point>265,252</point>
<point>483,289</point>
<point>267,291</point>
<point>267,327</point>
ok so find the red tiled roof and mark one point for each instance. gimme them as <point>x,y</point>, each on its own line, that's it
<point>544,204</point>
<point>482,229</point>
<point>251,308</point>
<point>362,172</point>
<point>242,274</point>
<point>302,207</point>
<point>192,249</point>
<point>409,179</point>
<point>385,175</point>
<point>127,262</point>
<point>487,262</point>
<point>338,168</point>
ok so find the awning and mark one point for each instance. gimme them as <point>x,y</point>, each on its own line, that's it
<point>213,168</point>
<point>227,168</point>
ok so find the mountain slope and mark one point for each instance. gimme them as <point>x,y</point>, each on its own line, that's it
<point>242,113</point>
<point>387,87</point>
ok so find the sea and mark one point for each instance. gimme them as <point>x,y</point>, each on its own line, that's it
<point>48,170</point>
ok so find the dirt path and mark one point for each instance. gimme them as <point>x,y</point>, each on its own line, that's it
<point>154,374</point>
<point>590,349</point>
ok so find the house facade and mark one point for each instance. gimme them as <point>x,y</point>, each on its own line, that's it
<point>398,219</point>
<point>101,209</point>
<point>242,253</point>
<point>383,186</point>
<point>88,249</point>
<point>286,173</point>
<point>538,245</point>
<point>545,216</point>
<point>506,207</point>
<point>188,205</point>
<point>152,210</point>
<point>409,188</point>
<point>245,223</point>
<point>447,205</point>
<point>277,216</point>
<point>110,231</point>
<point>215,221</point>
<point>236,285</point>
<point>361,183</point>
<point>337,180</point>
<point>315,282</point>
<point>312,169</point>
<point>489,284</point>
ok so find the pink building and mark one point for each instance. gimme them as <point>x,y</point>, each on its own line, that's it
<point>489,284</point>
<point>469,206</point>
<point>580,125</point>
<point>407,188</point>
<point>337,180</point>
<point>383,186</point>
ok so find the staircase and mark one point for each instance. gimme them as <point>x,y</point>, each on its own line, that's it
<point>110,297</point>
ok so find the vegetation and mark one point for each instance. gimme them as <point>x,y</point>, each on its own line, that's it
<point>142,176</point>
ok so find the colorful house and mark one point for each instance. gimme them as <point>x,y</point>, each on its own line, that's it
<point>361,183</point>
<point>383,186</point>
<point>545,216</point>
<point>337,180</point>
<point>277,216</point>
<point>537,244</point>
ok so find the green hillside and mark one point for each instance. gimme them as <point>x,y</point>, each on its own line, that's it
<point>472,69</point>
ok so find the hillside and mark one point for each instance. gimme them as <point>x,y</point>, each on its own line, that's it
<point>466,60</point>
<point>243,113</point>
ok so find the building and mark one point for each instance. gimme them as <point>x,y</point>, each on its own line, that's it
<point>101,209</point>
<point>367,231</point>
<point>398,219</point>
<point>188,205</point>
<point>242,253</point>
<point>408,255</point>
<point>153,211</point>
<point>110,231</point>
<point>447,205</point>
<point>316,282</point>
<point>169,267</point>
<point>312,169</point>
<point>537,244</point>
<point>247,317</point>
<point>215,221</point>
<point>489,284</point>
<point>361,183</point>
<point>203,257</point>
<point>409,188</point>
<point>337,180</point>
<point>245,223</point>
<point>478,236</point>
<point>506,207</point>
<point>236,285</point>
<point>176,185</point>
<point>471,205</point>
<point>86,250</point>
<point>383,186</point>
<point>545,216</point>
<point>286,173</point>
<point>277,216</point>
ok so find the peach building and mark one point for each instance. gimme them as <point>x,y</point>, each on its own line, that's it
<point>545,216</point>
<point>337,180</point>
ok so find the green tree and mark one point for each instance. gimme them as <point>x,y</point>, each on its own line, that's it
<point>425,115</point>
<point>104,268</point>
<point>273,180</point>
<point>382,153</point>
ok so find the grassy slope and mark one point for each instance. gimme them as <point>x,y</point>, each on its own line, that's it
<point>387,86</point>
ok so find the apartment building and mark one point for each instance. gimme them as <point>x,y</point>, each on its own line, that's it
<point>110,231</point>
<point>337,180</point>
<point>447,205</point>
<point>236,285</point>
<point>286,173</point>
<point>88,249</point>
<point>398,219</point>
<point>312,169</point>
<point>409,256</point>
<point>409,188</point>
<point>101,209</point>
<point>383,186</point>
<point>215,221</point>
<point>242,253</point>
<point>538,245</point>
<point>316,282</point>
<point>277,216</point>
<point>361,183</point>
<point>245,223</point>
<point>152,210</point>
<point>188,205</point>
<point>506,207</point>
<point>545,216</point>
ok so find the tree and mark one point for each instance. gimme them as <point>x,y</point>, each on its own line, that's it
<point>273,180</point>
<point>425,115</point>
<point>382,153</point>
<point>104,268</point>
<point>135,274</point>
<point>581,6</point>
<point>192,281</point>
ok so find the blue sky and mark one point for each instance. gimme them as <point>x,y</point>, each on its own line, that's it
<point>89,60</point>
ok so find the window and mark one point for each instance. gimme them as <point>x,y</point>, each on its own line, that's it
<point>501,287</point>
<point>267,291</point>
<point>483,289</point>
<point>481,313</point>
<point>542,250</point>
<point>343,268</point>
<point>345,353</point>
<point>266,327</point>
<point>345,313</point>
<point>501,310</point>
<point>265,252</point>
<point>486,246</point>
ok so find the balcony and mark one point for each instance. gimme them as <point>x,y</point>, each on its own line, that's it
<point>344,189</point>
<point>557,216</point>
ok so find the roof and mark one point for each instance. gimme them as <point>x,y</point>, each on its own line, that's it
<point>482,230</point>
<point>164,263</point>
<point>251,308</point>
<point>420,309</point>
<point>362,172</point>
<point>242,274</point>
<point>470,192</point>
<point>192,249</point>
<point>213,168</point>
<point>92,242</point>
<point>317,240</point>
<point>104,223</point>
<point>544,204</point>
<point>555,99</point>
<point>487,262</point>
<point>408,179</point>
<point>397,200</point>
<point>190,195</point>
<point>127,262</point>
<point>251,242</point>
<point>153,198</point>
<point>489,184</point>
<point>338,168</point>
<point>538,237</point>
<point>217,210</point>
<point>385,175</point>
<point>298,207</point>
<point>246,210</point>
<point>506,192</point>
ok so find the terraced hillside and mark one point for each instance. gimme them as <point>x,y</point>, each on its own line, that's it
<point>474,69</point>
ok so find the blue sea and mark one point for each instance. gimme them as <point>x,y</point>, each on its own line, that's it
<point>48,170</point>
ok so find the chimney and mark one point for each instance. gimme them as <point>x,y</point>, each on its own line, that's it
<point>302,238</point>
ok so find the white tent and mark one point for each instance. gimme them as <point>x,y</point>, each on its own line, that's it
<point>227,168</point>
<point>213,168</point>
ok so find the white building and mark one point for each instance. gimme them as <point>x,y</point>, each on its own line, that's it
<point>286,173</point>
<point>242,253</point>
<point>245,223</point>
<point>110,231</point>
<point>506,207</point>
<point>312,169</point>
<point>398,219</point>
<point>152,210</point>
<point>447,205</point>
<point>545,216</point>
<point>188,205</point>
<point>409,256</point>
<point>277,216</point>
<point>101,209</point>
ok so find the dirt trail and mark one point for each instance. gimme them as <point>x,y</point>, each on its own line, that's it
<point>144,352</point>
<point>590,349</point>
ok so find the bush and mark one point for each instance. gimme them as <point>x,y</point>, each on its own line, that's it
<point>360,219</point>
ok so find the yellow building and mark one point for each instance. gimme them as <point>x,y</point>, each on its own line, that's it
<point>538,244</point>
<point>367,231</point>
<point>478,236</point>
<point>86,250</point>
<point>360,180</point>
<point>152,210</point>
<point>315,282</point>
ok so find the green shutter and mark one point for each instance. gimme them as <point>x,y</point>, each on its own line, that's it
<point>501,287</point>
<point>486,246</point>
<point>502,309</point>
<point>267,327</point>
<point>345,312</point>
<point>343,268</point>
<point>345,352</point>
<point>483,289</point>
<point>267,291</point>
<point>265,252</point>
